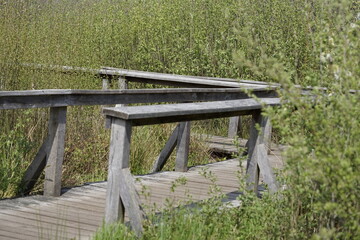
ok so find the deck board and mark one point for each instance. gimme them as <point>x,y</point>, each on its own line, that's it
<point>79,212</point>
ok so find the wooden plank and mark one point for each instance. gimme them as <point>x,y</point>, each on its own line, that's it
<point>173,80</point>
<point>118,159</point>
<point>131,201</point>
<point>35,169</point>
<point>166,151</point>
<point>234,127</point>
<point>167,113</point>
<point>183,143</point>
<point>56,147</point>
<point>68,97</point>
<point>109,71</point>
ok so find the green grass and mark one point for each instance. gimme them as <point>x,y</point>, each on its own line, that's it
<point>287,41</point>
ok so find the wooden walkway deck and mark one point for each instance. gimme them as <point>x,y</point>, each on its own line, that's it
<point>79,212</point>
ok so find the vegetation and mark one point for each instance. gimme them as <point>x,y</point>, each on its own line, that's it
<point>292,42</point>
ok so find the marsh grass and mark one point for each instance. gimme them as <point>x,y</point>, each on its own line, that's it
<point>286,41</point>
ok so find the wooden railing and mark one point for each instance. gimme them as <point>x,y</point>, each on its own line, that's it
<point>51,152</point>
<point>121,192</point>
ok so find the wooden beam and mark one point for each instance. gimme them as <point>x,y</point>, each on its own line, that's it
<point>234,127</point>
<point>61,98</point>
<point>166,151</point>
<point>131,200</point>
<point>55,150</point>
<point>123,84</point>
<point>183,143</point>
<point>167,113</point>
<point>257,154</point>
<point>118,160</point>
<point>35,169</point>
<point>265,168</point>
<point>177,80</point>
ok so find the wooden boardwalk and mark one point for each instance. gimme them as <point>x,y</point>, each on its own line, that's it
<point>79,212</point>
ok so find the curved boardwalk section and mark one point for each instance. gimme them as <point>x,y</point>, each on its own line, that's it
<point>79,212</point>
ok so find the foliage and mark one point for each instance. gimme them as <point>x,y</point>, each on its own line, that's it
<point>302,42</point>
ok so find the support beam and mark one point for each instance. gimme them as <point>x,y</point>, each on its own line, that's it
<point>123,84</point>
<point>131,201</point>
<point>55,150</point>
<point>118,160</point>
<point>167,150</point>
<point>183,143</point>
<point>258,145</point>
<point>34,170</point>
<point>235,124</point>
<point>105,83</point>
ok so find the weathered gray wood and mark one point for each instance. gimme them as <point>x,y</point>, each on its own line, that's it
<point>55,150</point>
<point>118,159</point>
<point>123,84</point>
<point>131,200</point>
<point>155,114</point>
<point>35,169</point>
<point>257,153</point>
<point>265,168</point>
<point>105,83</point>
<point>60,98</point>
<point>174,80</point>
<point>183,143</point>
<point>234,127</point>
<point>166,151</point>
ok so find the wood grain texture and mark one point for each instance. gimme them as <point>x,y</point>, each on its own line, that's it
<point>68,97</point>
<point>118,159</point>
<point>55,151</point>
<point>79,211</point>
<point>167,113</point>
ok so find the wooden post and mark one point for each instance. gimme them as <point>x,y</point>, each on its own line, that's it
<point>183,143</point>
<point>118,159</point>
<point>35,169</point>
<point>55,151</point>
<point>123,84</point>
<point>235,124</point>
<point>105,83</point>
<point>257,154</point>
<point>121,194</point>
<point>252,169</point>
<point>167,150</point>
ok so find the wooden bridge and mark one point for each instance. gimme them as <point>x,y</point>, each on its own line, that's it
<point>78,212</point>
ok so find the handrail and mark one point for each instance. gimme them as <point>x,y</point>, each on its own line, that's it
<point>69,97</point>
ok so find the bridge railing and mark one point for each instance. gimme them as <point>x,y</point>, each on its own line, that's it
<point>51,153</point>
<point>121,193</point>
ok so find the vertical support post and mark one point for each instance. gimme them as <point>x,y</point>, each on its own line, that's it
<point>252,169</point>
<point>121,194</point>
<point>235,124</point>
<point>123,84</point>
<point>118,159</point>
<point>257,154</point>
<point>183,143</point>
<point>55,151</point>
<point>105,83</point>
